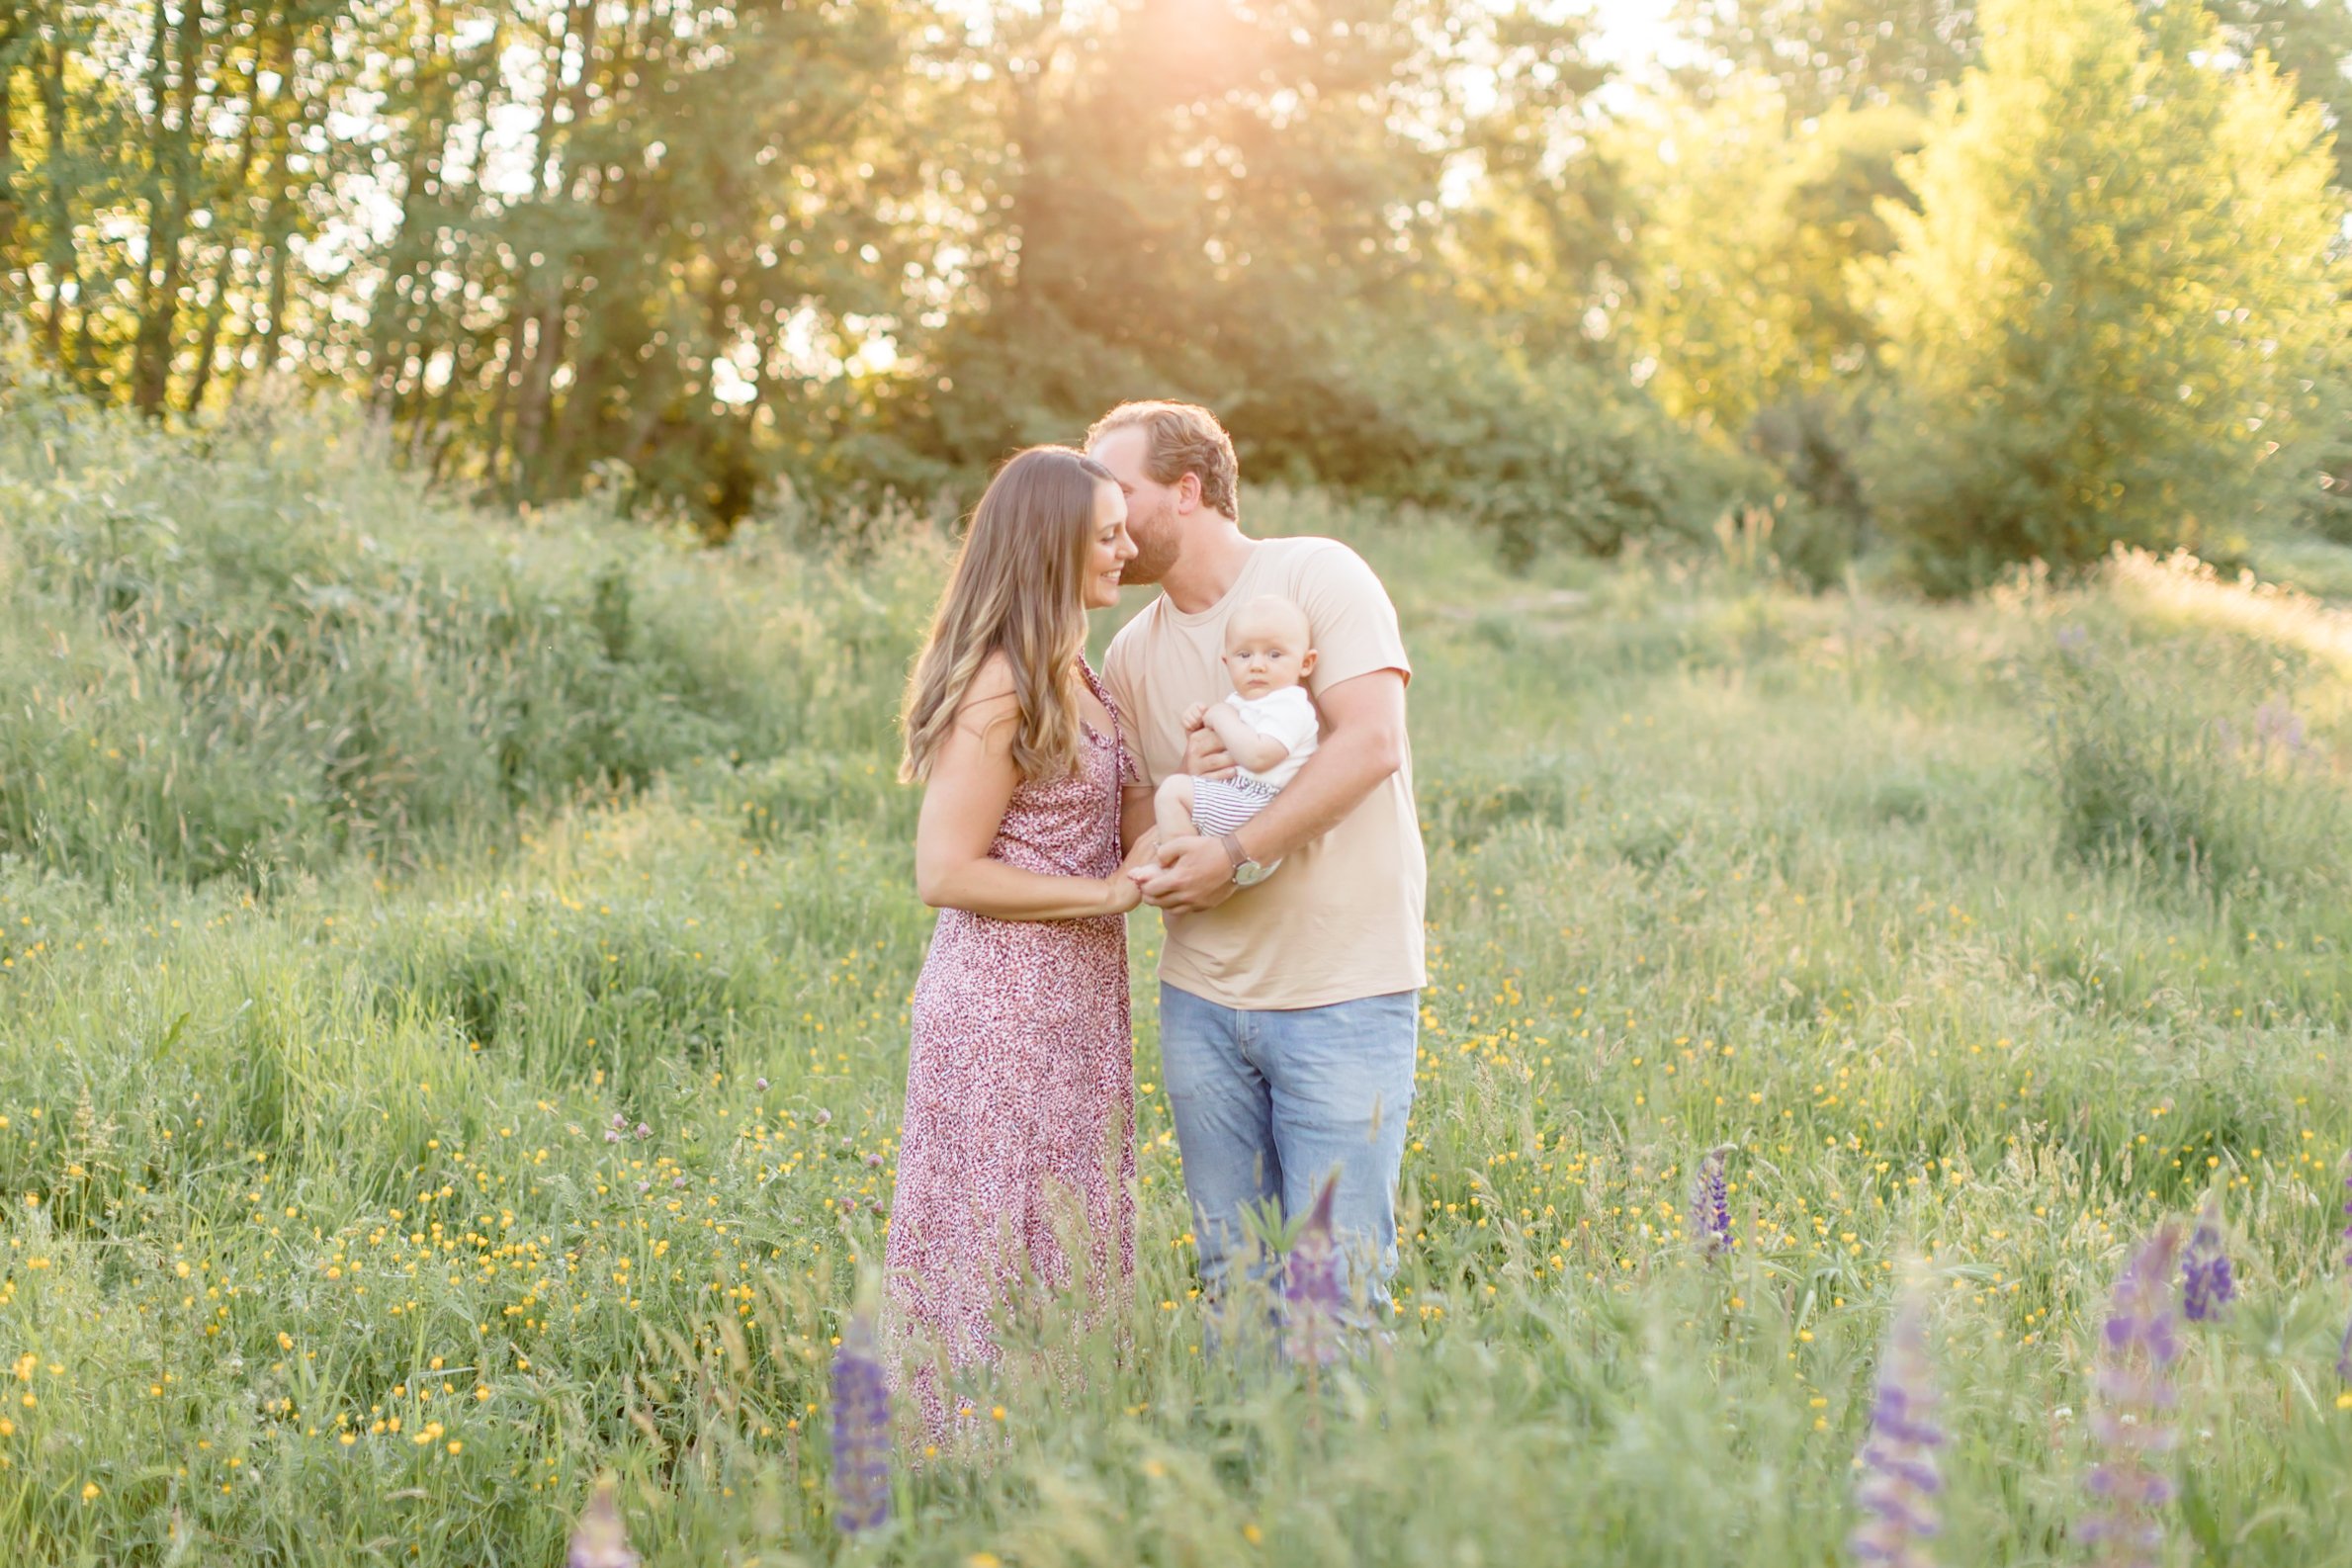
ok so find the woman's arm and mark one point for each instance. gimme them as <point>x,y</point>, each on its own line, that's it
<point>972,781</point>
<point>1138,816</point>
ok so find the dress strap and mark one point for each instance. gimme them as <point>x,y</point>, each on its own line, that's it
<point>1129,772</point>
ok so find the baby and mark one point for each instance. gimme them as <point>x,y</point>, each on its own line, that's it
<point>1268,725</point>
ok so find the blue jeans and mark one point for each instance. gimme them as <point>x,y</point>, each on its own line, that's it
<point>1269,1103</point>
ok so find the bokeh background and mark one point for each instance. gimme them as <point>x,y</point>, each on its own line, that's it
<point>1586,274</point>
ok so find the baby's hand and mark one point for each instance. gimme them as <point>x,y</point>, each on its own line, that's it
<point>1196,716</point>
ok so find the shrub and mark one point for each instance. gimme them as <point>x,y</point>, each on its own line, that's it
<point>2220,800</point>
<point>1567,456</point>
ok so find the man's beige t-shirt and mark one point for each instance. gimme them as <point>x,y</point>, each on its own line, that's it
<point>1340,920</point>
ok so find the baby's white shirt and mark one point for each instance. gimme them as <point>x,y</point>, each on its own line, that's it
<point>1287,716</point>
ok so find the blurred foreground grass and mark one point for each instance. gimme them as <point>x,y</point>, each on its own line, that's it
<point>367,862</point>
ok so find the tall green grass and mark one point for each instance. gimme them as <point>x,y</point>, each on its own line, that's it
<point>255,656</point>
<point>366,858</point>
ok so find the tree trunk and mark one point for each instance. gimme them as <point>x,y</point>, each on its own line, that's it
<point>547,345</point>
<point>63,266</point>
<point>248,149</point>
<point>274,324</point>
<point>11,28</point>
<point>495,455</point>
<point>537,393</point>
<point>409,260</point>
<point>281,218</point>
<point>167,215</point>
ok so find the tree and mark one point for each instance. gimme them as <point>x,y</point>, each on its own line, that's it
<point>2113,314</point>
<point>2309,40</point>
<point>1241,206</point>
<point>1821,54</point>
<point>1744,300</point>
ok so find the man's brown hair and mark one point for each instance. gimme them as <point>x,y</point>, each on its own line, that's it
<point>1181,439</point>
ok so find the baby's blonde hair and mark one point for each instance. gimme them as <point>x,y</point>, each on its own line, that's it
<point>1268,607</point>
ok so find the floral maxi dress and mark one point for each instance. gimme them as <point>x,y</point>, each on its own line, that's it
<point>1020,1094</point>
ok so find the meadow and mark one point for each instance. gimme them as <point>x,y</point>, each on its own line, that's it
<point>453,1025</point>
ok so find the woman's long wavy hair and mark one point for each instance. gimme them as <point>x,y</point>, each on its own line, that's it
<point>1018,587</point>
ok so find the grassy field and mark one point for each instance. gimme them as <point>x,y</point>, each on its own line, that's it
<point>367,862</point>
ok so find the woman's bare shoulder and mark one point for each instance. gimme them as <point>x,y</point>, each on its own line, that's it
<point>991,682</point>
<point>992,703</point>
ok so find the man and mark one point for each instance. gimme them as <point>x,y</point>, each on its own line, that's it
<point>1288,1003</point>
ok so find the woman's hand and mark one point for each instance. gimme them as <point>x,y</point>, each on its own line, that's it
<point>1124,887</point>
<point>1120,893</point>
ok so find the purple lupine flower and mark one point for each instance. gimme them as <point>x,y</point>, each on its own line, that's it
<point>1899,1479</point>
<point>2278,725</point>
<point>1710,1204</point>
<point>599,1540</point>
<point>762,1082</point>
<point>2207,1283</point>
<point>862,1431</point>
<point>1314,1283</point>
<point>2343,1354</point>
<point>2132,1419</point>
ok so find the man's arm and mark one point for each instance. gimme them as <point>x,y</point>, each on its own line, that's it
<point>1367,745</point>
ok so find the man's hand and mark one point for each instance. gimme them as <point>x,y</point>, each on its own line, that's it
<point>1144,857</point>
<point>1205,756</point>
<point>1192,874</point>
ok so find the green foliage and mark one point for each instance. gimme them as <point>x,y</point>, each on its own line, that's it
<point>2115,314</point>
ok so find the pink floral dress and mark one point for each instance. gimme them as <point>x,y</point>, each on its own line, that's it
<point>1020,1094</point>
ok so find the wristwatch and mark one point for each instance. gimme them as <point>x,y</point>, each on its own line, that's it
<point>1246,871</point>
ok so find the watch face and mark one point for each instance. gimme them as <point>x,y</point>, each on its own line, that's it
<point>1249,873</point>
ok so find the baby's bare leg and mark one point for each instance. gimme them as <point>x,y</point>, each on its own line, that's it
<point>1172,807</point>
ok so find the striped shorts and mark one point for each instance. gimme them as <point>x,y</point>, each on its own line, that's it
<point>1221,805</point>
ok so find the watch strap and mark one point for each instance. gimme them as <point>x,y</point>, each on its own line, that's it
<point>1233,850</point>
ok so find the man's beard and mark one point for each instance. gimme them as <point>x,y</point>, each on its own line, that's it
<point>1151,563</point>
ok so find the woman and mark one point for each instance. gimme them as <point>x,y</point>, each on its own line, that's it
<point>1019,1081</point>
